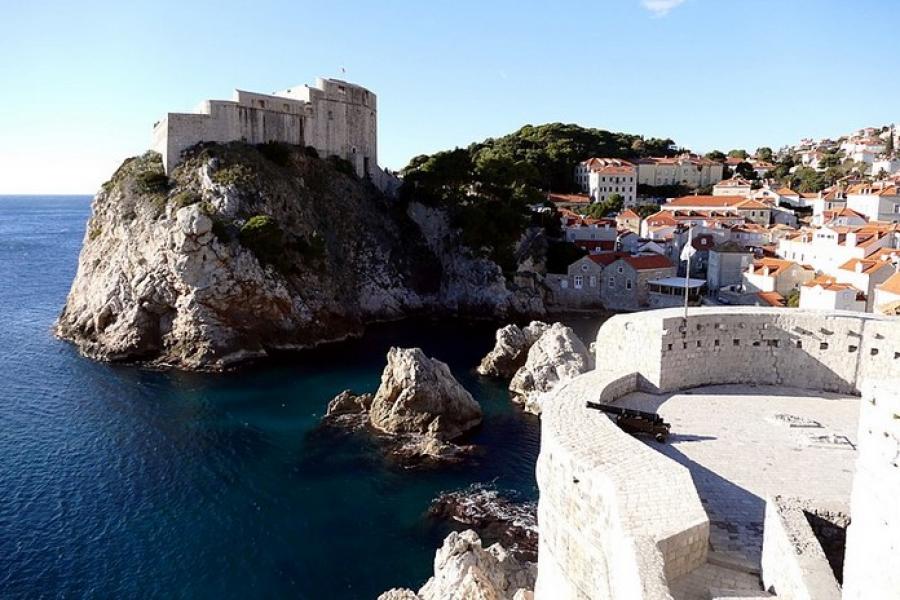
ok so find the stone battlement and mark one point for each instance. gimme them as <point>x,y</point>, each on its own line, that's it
<point>620,520</point>
<point>334,117</point>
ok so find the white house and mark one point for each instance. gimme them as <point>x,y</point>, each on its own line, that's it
<point>879,201</point>
<point>774,275</point>
<point>825,293</point>
<point>864,275</point>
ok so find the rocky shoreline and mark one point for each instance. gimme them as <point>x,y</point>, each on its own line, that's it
<point>234,256</point>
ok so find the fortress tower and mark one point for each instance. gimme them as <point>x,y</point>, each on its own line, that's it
<point>334,117</point>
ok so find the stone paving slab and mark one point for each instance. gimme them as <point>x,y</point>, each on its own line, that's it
<point>743,443</point>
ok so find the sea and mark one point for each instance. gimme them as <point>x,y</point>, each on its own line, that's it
<point>118,481</point>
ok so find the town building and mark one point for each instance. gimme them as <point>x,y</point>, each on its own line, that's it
<point>864,275</point>
<point>879,201</point>
<point>741,206</point>
<point>687,169</point>
<point>626,280</point>
<point>727,263</point>
<point>826,248</point>
<point>776,275</point>
<point>334,117</point>
<point>826,293</point>
<point>736,186</point>
<point>608,180</point>
<point>630,220</point>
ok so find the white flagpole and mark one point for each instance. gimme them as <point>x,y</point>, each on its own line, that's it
<point>687,270</point>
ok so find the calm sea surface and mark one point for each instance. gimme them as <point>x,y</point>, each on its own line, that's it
<point>117,481</point>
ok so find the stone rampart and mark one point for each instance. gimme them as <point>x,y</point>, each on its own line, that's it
<point>618,519</point>
<point>334,117</point>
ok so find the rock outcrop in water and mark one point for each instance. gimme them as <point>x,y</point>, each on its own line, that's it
<point>419,408</point>
<point>511,349</point>
<point>463,570</point>
<point>494,517</point>
<point>557,356</point>
<point>242,251</point>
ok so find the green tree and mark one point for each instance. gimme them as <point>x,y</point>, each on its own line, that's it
<point>830,159</point>
<point>645,210</point>
<point>764,153</point>
<point>745,170</point>
<point>889,144</point>
<point>716,155</point>
<point>738,153</point>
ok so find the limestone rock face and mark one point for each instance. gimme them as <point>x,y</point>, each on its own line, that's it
<point>234,255</point>
<point>511,349</point>
<point>463,570</point>
<point>557,356</point>
<point>347,403</point>
<point>418,395</point>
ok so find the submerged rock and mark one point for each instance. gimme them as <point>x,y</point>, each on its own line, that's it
<point>557,356</point>
<point>511,349</point>
<point>418,410</point>
<point>463,570</point>
<point>494,517</point>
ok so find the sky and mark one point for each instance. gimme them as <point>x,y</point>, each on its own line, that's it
<point>81,83</point>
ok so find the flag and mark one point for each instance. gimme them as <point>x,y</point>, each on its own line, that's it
<point>688,251</point>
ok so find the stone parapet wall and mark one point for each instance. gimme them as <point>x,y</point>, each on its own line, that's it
<point>767,346</point>
<point>618,519</point>
<point>872,559</point>
<point>793,563</point>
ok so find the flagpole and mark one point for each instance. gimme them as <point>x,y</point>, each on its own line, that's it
<point>687,270</point>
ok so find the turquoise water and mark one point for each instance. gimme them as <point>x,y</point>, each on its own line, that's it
<point>117,481</point>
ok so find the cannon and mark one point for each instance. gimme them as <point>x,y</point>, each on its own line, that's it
<point>636,421</point>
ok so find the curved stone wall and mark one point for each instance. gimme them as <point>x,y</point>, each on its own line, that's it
<point>617,518</point>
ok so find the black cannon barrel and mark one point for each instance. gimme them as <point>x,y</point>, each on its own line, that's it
<point>628,412</point>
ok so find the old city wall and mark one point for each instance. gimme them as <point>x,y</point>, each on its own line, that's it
<point>618,519</point>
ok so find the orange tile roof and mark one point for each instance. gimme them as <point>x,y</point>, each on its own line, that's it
<point>869,265</point>
<point>569,198</point>
<point>628,214</point>
<point>891,285</point>
<point>772,299</point>
<point>649,261</point>
<point>752,205</point>
<point>827,282</point>
<point>786,191</point>
<point>776,265</point>
<point>707,201</point>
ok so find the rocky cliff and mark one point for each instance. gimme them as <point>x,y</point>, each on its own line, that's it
<point>246,250</point>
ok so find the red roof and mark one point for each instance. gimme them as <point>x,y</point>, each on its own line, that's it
<point>708,201</point>
<point>570,198</point>
<point>772,298</point>
<point>648,261</point>
<point>606,258</point>
<point>891,284</point>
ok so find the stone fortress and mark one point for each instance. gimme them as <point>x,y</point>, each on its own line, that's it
<point>334,117</point>
<point>751,497</point>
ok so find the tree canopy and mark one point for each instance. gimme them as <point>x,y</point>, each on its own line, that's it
<point>738,153</point>
<point>764,153</point>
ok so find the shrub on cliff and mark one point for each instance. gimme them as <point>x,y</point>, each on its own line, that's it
<point>262,236</point>
<point>342,165</point>
<point>152,182</point>
<point>277,152</point>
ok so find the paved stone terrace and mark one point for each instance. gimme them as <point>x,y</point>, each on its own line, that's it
<point>743,443</point>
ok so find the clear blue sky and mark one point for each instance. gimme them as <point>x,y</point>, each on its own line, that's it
<point>83,82</point>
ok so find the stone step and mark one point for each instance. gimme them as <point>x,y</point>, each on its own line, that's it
<point>735,563</point>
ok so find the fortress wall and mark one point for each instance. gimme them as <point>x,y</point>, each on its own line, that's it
<point>619,519</point>
<point>337,119</point>
<point>872,557</point>
<point>797,348</point>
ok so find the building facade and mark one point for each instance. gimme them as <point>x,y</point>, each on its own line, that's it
<point>334,117</point>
